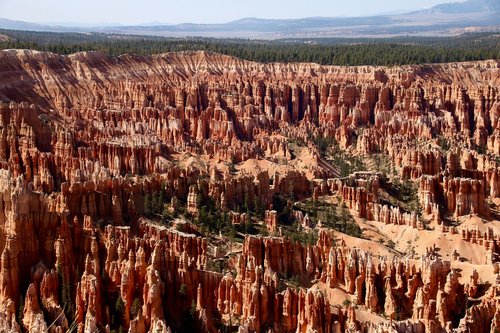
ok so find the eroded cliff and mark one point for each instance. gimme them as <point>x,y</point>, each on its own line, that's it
<point>198,192</point>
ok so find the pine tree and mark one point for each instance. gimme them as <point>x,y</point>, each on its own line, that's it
<point>161,200</point>
<point>118,312</point>
<point>155,202</point>
<point>65,294</point>
<point>135,307</point>
<point>66,299</point>
<point>20,310</point>
<point>147,204</point>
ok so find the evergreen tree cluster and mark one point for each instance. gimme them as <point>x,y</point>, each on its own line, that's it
<point>211,218</point>
<point>155,206</point>
<point>337,157</point>
<point>326,51</point>
<point>65,295</point>
<point>154,203</point>
<point>336,217</point>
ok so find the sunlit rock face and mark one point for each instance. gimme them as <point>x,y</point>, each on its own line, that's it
<point>98,154</point>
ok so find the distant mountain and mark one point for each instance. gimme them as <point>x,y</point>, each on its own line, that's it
<point>470,6</point>
<point>28,26</point>
<point>444,19</point>
<point>21,25</point>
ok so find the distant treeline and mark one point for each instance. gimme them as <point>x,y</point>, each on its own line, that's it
<point>327,51</point>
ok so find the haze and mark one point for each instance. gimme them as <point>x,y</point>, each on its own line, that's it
<point>130,12</point>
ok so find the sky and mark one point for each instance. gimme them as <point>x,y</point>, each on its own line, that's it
<point>194,11</point>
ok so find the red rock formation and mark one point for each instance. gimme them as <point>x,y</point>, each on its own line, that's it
<point>33,319</point>
<point>85,137</point>
<point>271,220</point>
<point>49,295</point>
<point>393,215</point>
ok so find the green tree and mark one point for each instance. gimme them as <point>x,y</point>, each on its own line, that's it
<point>65,294</point>
<point>118,312</point>
<point>183,290</point>
<point>20,310</point>
<point>148,205</point>
<point>258,208</point>
<point>135,307</point>
<point>155,202</point>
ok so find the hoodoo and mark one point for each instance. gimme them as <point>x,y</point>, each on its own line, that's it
<point>196,192</point>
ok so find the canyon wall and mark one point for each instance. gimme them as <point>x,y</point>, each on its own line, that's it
<point>85,138</point>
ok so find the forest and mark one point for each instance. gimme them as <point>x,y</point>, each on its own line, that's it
<point>326,51</point>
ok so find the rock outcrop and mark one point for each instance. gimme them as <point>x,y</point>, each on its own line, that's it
<point>100,156</point>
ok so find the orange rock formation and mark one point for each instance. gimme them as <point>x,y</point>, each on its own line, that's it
<point>84,138</point>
